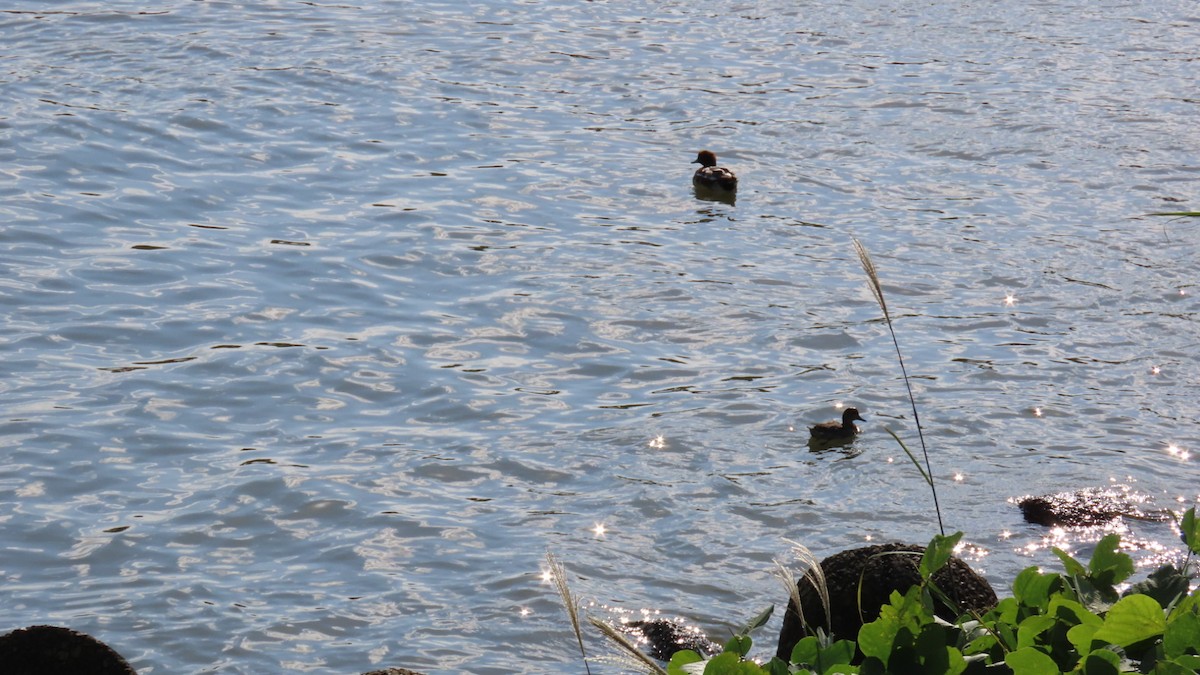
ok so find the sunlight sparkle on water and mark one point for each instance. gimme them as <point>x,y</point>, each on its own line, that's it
<point>658,442</point>
<point>1005,534</point>
<point>1155,370</point>
<point>1010,300</point>
<point>599,530</point>
<point>525,611</point>
<point>548,576</point>
<point>1176,451</point>
<point>1037,412</point>
<point>958,476</point>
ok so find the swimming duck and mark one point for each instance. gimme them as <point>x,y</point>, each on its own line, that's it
<point>828,431</point>
<point>711,176</point>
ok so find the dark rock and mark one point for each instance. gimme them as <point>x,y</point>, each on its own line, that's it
<point>661,638</point>
<point>879,576</point>
<point>50,650</point>
<point>1085,508</point>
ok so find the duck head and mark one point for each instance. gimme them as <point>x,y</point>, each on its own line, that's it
<point>705,158</point>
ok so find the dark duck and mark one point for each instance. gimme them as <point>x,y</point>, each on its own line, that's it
<point>837,431</point>
<point>710,176</point>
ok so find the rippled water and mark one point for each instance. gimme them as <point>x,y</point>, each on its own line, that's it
<point>322,323</point>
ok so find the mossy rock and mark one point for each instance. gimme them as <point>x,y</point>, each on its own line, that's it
<point>880,569</point>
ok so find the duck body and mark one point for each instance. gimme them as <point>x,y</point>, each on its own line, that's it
<point>833,431</point>
<point>710,176</point>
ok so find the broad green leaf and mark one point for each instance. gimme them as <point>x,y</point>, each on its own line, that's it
<point>1190,526</point>
<point>1109,566</point>
<point>1132,619</point>
<point>681,658</point>
<point>1101,662</point>
<point>1071,613</point>
<point>1082,636</point>
<point>838,653</point>
<point>938,553</point>
<point>1182,635</point>
<point>1032,588</point>
<point>1029,661</point>
<point>805,651</point>
<point>1031,628</point>
<point>875,638</point>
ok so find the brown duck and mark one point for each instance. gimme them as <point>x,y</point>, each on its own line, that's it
<point>710,176</point>
<point>832,431</point>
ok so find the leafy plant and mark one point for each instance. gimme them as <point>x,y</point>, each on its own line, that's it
<point>1068,622</point>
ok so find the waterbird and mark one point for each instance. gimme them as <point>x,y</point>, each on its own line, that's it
<point>710,176</point>
<point>830,431</point>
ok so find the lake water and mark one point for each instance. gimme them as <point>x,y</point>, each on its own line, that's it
<point>322,323</point>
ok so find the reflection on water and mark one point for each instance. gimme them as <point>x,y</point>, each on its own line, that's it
<point>322,323</point>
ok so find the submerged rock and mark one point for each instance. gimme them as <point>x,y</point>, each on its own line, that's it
<point>1089,507</point>
<point>661,638</point>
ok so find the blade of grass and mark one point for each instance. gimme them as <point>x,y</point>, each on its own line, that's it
<point>628,648</point>
<point>877,290</point>
<point>559,576</point>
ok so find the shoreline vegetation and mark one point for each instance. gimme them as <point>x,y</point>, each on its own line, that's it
<point>1076,621</point>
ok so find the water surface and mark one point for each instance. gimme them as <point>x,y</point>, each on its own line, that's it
<point>322,323</point>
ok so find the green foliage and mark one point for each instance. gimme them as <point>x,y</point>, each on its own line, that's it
<point>1073,622</point>
<point>1189,525</point>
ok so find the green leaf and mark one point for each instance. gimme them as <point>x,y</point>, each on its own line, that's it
<point>1101,662</point>
<point>1082,636</point>
<point>777,666</point>
<point>1190,526</point>
<point>1032,588</point>
<point>1189,604</point>
<point>1132,619</point>
<point>681,658</point>
<point>1182,635</point>
<point>805,651</point>
<point>1029,661</point>
<point>1070,565</point>
<point>1166,584</point>
<point>739,644</point>
<point>1032,628</point>
<point>1071,613</point>
<point>938,553</point>
<point>758,621</point>
<point>839,653</point>
<point>1109,566</point>
<point>726,663</point>
<point>875,638</point>
<point>834,658</point>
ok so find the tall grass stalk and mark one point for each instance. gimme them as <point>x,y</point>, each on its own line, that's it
<point>559,576</point>
<point>877,289</point>
<point>631,657</point>
<point>809,565</point>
